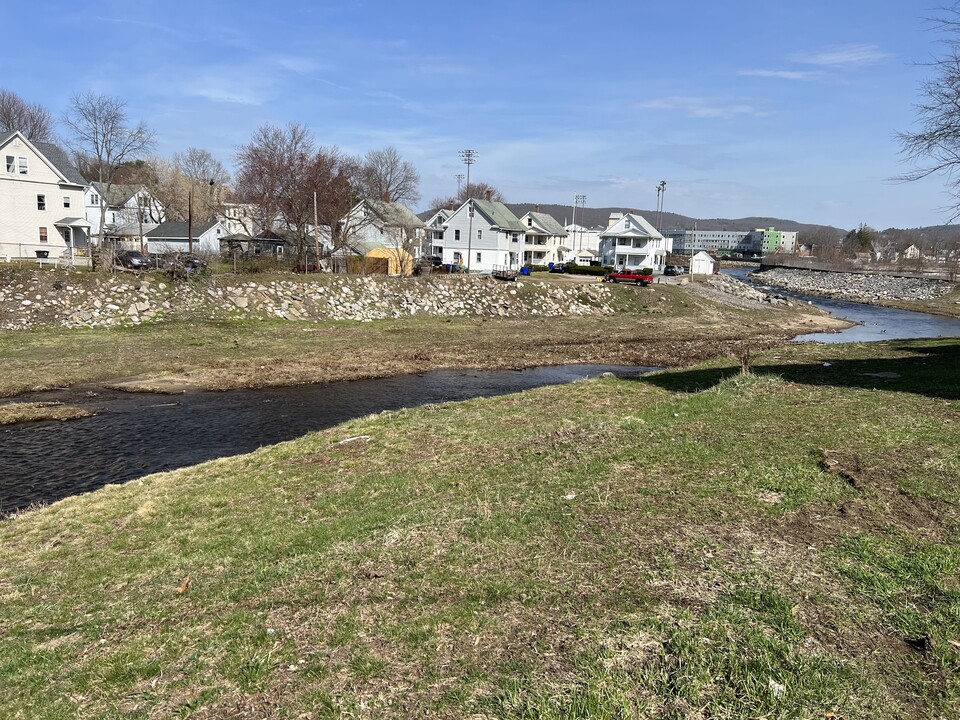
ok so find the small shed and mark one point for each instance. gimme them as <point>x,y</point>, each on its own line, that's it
<point>400,262</point>
<point>702,264</point>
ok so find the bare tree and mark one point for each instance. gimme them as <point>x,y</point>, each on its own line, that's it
<point>935,144</point>
<point>387,176</point>
<point>476,191</point>
<point>101,133</point>
<point>32,119</point>
<point>207,181</point>
<point>280,170</point>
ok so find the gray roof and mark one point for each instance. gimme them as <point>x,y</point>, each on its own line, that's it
<point>178,229</point>
<point>500,215</point>
<point>119,194</point>
<point>549,223</point>
<point>394,214</point>
<point>57,157</point>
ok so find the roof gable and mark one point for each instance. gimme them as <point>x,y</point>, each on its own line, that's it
<point>545,222</point>
<point>52,155</point>
<point>634,226</point>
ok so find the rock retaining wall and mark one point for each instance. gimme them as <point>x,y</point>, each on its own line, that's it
<point>854,286</point>
<point>92,300</point>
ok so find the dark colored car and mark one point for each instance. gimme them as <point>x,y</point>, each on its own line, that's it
<point>132,260</point>
<point>558,267</point>
<point>674,270</point>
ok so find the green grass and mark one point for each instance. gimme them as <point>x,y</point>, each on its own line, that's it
<point>664,547</point>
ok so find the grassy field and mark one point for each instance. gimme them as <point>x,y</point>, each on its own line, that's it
<point>664,326</point>
<point>700,543</point>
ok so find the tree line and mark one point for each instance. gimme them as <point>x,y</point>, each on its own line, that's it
<point>282,173</point>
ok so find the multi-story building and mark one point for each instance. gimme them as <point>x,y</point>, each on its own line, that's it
<point>631,242</point>
<point>761,240</point>
<point>546,241</point>
<point>483,236</point>
<point>41,201</point>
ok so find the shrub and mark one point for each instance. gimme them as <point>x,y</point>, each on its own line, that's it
<point>587,270</point>
<point>646,271</point>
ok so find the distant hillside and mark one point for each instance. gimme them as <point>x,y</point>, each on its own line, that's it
<point>590,217</point>
<point>593,217</point>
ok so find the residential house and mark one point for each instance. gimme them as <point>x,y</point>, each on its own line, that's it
<point>127,208</point>
<point>584,239</point>
<point>483,236</point>
<point>41,201</point>
<point>545,240</point>
<point>433,226</point>
<point>631,242</point>
<point>172,236</point>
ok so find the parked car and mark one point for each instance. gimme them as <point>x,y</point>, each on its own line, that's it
<point>132,260</point>
<point>674,270</point>
<point>558,267</point>
<point>643,276</point>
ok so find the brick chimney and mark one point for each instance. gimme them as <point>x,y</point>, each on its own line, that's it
<point>489,194</point>
<point>538,207</point>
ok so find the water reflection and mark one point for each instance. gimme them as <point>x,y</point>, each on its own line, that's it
<point>139,434</point>
<point>873,321</point>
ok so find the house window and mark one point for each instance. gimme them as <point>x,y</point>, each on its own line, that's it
<point>456,234</point>
<point>529,222</point>
<point>22,164</point>
<point>66,235</point>
<point>41,202</point>
<point>43,234</point>
<point>11,164</point>
<point>479,234</point>
<point>94,199</point>
<point>515,237</point>
<point>478,257</point>
<point>66,201</point>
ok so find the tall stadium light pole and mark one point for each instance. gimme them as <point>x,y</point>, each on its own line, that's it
<point>661,191</point>
<point>459,177</point>
<point>468,157</point>
<point>580,200</point>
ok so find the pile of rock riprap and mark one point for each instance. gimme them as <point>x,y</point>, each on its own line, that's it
<point>732,286</point>
<point>854,286</point>
<point>91,300</point>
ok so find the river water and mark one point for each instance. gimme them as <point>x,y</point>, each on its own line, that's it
<point>135,434</point>
<point>873,322</point>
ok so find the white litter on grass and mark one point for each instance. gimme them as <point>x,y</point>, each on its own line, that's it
<point>777,689</point>
<point>360,438</point>
<point>570,496</point>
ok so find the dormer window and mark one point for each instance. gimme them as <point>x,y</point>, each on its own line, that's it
<point>530,222</point>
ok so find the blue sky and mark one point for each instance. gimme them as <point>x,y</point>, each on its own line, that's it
<point>786,109</point>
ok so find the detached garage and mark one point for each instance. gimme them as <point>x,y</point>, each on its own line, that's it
<point>702,264</point>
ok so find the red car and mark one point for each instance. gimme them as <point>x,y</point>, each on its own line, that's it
<point>644,276</point>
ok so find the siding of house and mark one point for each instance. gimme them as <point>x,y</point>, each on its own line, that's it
<point>20,218</point>
<point>492,248</point>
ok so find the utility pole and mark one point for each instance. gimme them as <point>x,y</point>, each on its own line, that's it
<point>190,220</point>
<point>469,157</point>
<point>316,234</point>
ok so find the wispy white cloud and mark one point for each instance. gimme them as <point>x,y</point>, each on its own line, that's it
<point>843,56</point>
<point>136,23</point>
<point>300,65</point>
<point>702,107</point>
<point>782,74</point>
